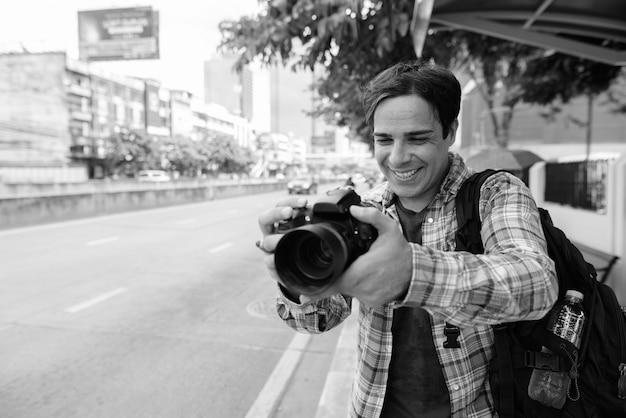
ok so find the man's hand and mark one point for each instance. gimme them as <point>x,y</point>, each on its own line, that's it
<point>382,274</point>
<point>379,276</point>
<point>267,221</point>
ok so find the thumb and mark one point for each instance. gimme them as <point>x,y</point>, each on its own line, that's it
<point>373,217</point>
<point>307,299</point>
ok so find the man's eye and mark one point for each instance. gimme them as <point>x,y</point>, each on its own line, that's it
<point>382,140</point>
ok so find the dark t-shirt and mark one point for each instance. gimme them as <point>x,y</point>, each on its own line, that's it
<point>416,386</point>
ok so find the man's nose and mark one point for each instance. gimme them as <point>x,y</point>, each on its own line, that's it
<point>399,154</point>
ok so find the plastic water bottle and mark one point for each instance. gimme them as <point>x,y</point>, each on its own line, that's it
<point>567,320</point>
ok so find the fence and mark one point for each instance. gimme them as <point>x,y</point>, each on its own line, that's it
<point>580,184</point>
<point>52,174</point>
<point>587,200</point>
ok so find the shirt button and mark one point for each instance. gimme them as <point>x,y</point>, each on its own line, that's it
<point>430,220</point>
<point>456,387</point>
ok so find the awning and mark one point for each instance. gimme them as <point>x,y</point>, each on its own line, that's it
<point>590,29</point>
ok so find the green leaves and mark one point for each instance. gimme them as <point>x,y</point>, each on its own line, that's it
<point>129,152</point>
<point>563,77</point>
<point>352,40</point>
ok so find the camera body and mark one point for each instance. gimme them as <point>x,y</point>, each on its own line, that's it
<point>321,242</point>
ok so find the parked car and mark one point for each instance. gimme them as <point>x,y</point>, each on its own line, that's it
<point>153,176</point>
<point>305,184</point>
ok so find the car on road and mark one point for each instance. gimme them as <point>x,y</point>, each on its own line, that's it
<point>153,176</point>
<point>303,184</point>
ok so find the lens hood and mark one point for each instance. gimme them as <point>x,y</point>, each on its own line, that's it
<point>309,258</point>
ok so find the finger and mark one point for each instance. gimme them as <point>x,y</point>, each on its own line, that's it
<point>307,299</point>
<point>315,294</point>
<point>373,217</point>
<point>283,211</point>
<point>261,245</point>
<point>271,267</point>
<point>293,202</point>
<point>269,242</point>
<point>268,218</point>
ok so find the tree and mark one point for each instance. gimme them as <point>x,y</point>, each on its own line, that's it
<point>128,152</point>
<point>185,156</point>
<point>349,40</point>
<point>497,67</point>
<point>558,78</point>
<point>352,40</point>
<point>227,156</point>
<point>616,95</point>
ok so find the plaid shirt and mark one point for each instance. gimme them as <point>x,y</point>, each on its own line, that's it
<point>514,280</point>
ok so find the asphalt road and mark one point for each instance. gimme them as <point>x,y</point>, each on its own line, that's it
<point>162,313</point>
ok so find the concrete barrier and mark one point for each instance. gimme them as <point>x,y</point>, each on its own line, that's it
<point>38,208</point>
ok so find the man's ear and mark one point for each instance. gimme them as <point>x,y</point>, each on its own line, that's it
<point>452,132</point>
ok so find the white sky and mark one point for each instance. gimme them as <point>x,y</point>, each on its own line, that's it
<point>188,31</point>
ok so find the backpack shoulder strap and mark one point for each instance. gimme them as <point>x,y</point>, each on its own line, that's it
<point>468,231</point>
<point>468,239</point>
<point>467,213</point>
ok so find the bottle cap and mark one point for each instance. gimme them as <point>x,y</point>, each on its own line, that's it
<point>574,293</point>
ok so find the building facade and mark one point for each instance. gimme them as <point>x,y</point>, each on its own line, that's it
<point>57,114</point>
<point>276,101</point>
<point>37,109</point>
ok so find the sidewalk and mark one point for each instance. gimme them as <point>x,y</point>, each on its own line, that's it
<point>335,397</point>
<point>313,378</point>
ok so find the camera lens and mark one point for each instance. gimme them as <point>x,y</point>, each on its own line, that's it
<point>311,257</point>
<point>315,254</point>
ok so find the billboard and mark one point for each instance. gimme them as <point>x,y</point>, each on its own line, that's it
<point>118,34</point>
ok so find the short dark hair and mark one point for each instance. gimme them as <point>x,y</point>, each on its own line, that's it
<point>433,83</point>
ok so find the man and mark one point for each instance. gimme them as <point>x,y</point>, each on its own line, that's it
<point>411,281</point>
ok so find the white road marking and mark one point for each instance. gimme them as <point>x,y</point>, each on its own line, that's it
<point>220,247</point>
<point>91,302</point>
<point>101,241</point>
<point>267,401</point>
<point>186,222</point>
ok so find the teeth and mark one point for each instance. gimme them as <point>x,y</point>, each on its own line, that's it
<point>404,175</point>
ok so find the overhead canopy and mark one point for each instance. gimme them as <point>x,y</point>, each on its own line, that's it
<point>590,29</point>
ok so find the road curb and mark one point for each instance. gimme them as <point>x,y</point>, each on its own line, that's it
<point>335,398</point>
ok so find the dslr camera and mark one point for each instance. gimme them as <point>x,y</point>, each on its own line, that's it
<point>320,243</point>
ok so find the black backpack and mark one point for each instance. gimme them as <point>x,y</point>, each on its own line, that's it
<point>600,364</point>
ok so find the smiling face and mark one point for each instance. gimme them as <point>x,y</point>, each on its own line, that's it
<point>410,149</point>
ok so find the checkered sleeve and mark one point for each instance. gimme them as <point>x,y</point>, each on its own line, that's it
<point>314,318</point>
<point>515,278</point>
